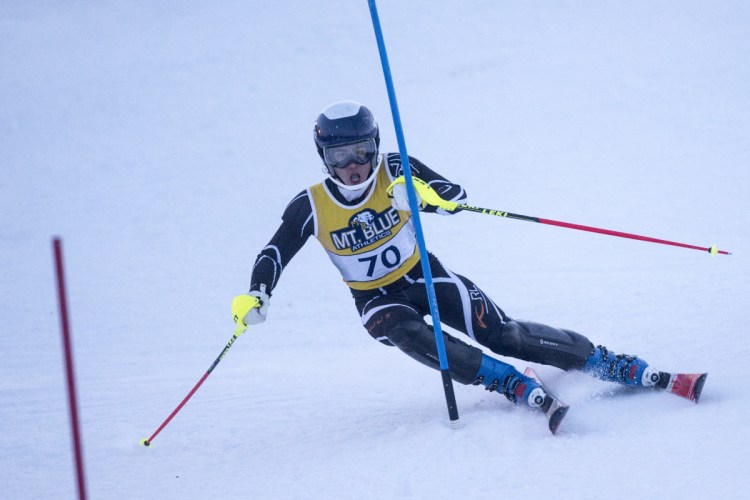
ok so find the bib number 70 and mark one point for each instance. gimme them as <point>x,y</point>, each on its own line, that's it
<point>389,258</point>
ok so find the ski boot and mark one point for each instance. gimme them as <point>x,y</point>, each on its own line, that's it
<point>495,375</point>
<point>634,372</point>
<point>621,368</point>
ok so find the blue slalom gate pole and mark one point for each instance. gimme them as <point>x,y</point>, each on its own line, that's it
<point>450,396</point>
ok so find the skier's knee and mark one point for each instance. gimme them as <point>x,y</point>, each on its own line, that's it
<point>417,339</point>
<point>407,334</point>
<point>381,325</point>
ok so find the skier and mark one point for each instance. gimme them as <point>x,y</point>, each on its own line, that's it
<point>363,220</point>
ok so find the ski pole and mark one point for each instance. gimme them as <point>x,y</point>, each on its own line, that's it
<point>237,332</point>
<point>431,197</point>
<point>712,249</point>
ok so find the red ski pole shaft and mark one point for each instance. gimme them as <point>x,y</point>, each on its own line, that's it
<point>712,249</point>
<point>147,441</point>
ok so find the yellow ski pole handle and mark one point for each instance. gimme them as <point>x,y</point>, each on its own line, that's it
<point>428,195</point>
<point>241,305</point>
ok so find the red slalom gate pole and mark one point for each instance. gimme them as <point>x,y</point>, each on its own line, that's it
<point>69,365</point>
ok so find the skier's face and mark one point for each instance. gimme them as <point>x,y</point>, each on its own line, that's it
<point>354,173</point>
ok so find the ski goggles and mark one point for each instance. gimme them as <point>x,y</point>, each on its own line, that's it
<point>359,152</point>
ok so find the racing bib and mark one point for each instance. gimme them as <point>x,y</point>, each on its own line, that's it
<point>371,244</point>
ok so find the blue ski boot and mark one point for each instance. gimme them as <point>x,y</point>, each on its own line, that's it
<point>502,377</point>
<point>621,368</point>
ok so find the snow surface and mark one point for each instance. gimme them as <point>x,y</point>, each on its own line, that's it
<point>162,141</point>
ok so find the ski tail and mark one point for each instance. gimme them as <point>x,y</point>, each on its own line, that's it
<point>553,408</point>
<point>686,385</point>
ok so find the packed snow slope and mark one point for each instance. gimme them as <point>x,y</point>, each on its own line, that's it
<point>162,141</point>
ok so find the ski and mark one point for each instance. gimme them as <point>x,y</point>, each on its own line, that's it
<point>686,385</point>
<point>552,407</point>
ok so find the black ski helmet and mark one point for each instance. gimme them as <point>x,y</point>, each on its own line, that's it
<point>344,122</point>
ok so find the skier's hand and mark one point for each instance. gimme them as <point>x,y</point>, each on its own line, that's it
<point>250,308</point>
<point>425,195</point>
<point>400,199</point>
